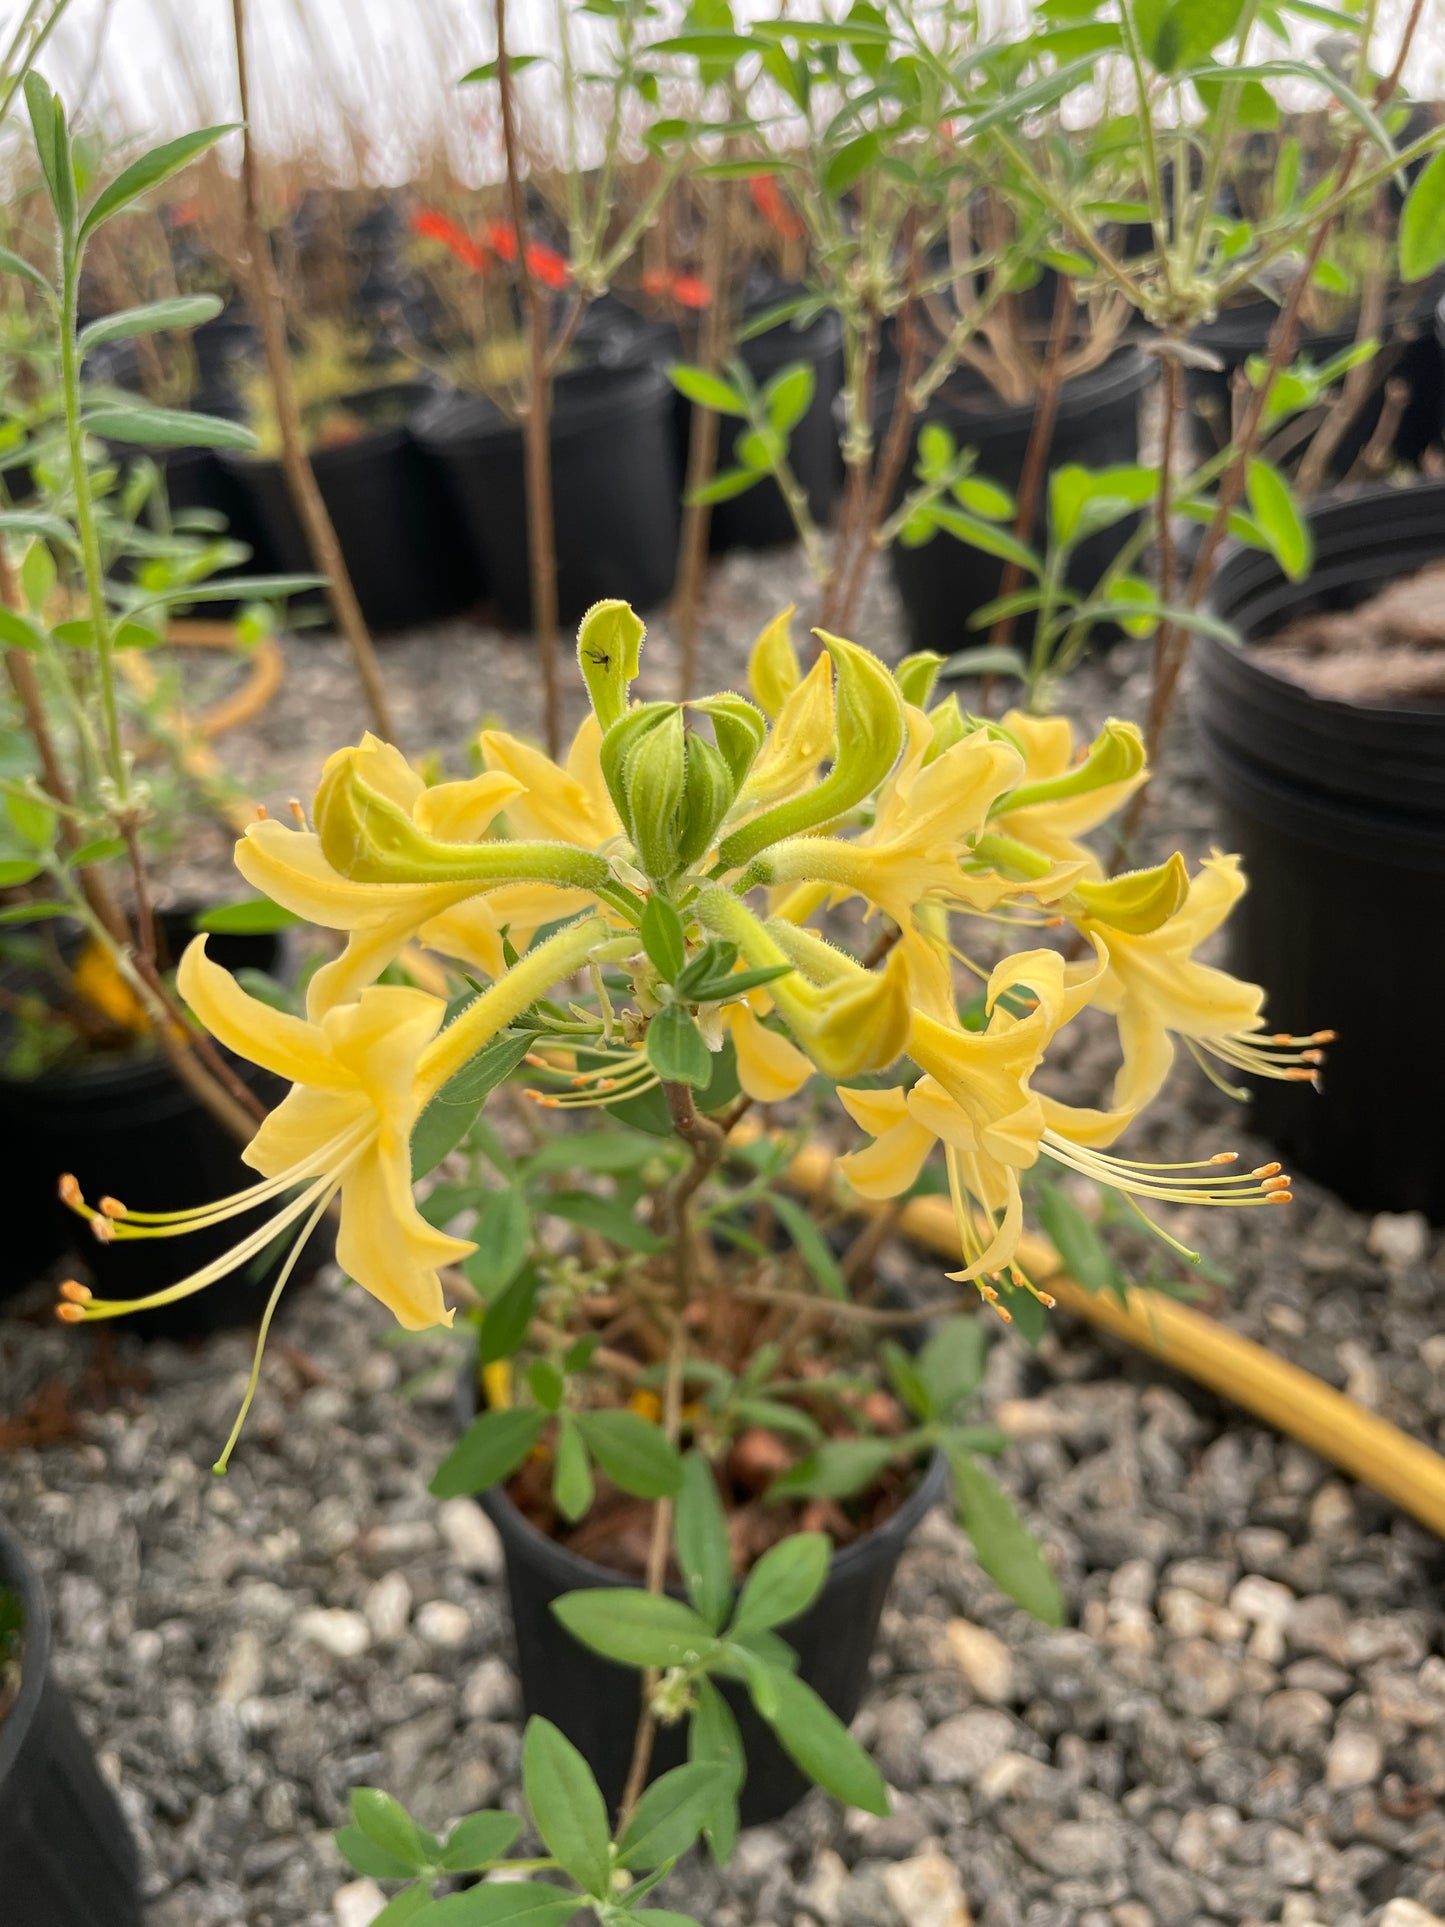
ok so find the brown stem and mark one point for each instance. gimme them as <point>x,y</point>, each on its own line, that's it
<point>266,298</point>
<point>536,422</point>
<point>1361,381</point>
<point>702,448</point>
<point>855,488</point>
<point>1374,457</point>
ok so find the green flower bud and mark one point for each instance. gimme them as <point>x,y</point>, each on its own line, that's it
<point>708,792</point>
<point>609,643</point>
<point>1138,901</point>
<point>617,745</point>
<point>654,774</point>
<point>1115,756</point>
<point>740,731</point>
<point>916,675</point>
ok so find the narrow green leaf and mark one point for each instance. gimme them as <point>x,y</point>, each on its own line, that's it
<point>566,1806</point>
<point>789,396</point>
<point>19,632</point>
<point>479,1839</point>
<point>183,311</point>
<point>984,535</point>
<point>784,1582</point>
<point>1084,1254</point>
<point>491,1449</point>
<point>507,1321</point>
<point>17,870</point>
<point>1007,1551</point>
<point>403,1908</point>
<point>509,1903</point>
<point>817,1741</point>
<point>634,1627</point>
<point>633,1452</point>
<point>677,1050</point>
<point>364,1856</point>
<point>449,1116</point>
<point>723,487</point>
<point>490,69</point>
<point>609,1217</point>
<point>706,391</point>
<point>704,1556</point>
<point>149,171</point>
<point>712,1735</point>
<point>671,1814</point>
<point>388,1825</point>
<point>811,1245</point>
<point>662,938</point>
<point>836,1470</point>
<point>595,1151</point>
<point>1422,222</point>
<point>11,263</point>
<point>572,1486</point>
<point>952,1362</point>
<point>1277,514</point>
<point>503,1235</point>
<point>148,427</point>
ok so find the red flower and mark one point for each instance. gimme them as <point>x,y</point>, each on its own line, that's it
<point>440,227</point>
<point>688,290</point>
<point>546,265</point>
<point>770,202</point>
<point>502,240</point>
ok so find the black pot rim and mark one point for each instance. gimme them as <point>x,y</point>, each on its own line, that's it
<point>454,416</point>
<point>20,1576</point>
<point>1237,558</point>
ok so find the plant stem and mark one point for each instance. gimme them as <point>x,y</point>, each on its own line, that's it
<point>306,497</point>
<point>536,423</point>
<point>702,445</point>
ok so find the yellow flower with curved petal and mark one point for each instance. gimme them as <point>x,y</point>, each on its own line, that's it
<point>566,802</point>
<point>769,1067</point>
<point>1054,827</point>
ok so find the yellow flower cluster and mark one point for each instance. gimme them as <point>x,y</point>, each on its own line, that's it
<point>749,818</point>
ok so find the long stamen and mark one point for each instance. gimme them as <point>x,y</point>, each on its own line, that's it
<point>1265,1185</point>
<point>271,1303</point>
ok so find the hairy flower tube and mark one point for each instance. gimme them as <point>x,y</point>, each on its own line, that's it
<point>717,854</point>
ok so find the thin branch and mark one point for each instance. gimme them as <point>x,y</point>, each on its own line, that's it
<point>702,446</point>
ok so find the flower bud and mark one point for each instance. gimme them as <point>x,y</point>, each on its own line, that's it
<point>1138,901</point>
<point>739,730</point>
<point>1116,756</point>
<point>916,675</point>
<point>653,774</point>
<point>620,740</point>
<point>856,1024</point>
<point>773,669</point>
<point>707,796</point>
<point>609,644</point>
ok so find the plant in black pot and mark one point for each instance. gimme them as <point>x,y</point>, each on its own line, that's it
<point>95,780</point>
<point>699,1433</point>
<point>66,1854</point>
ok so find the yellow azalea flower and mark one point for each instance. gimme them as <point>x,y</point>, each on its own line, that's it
<point>567,802</point>
<point>360,1078</point>
<point>800,740</point>
<point>1054,826</point>
<point>1157,991</point>
<point>769,1067</point>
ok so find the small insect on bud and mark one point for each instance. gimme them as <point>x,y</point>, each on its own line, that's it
<point>112,1207</point>
<point>75,1292</point>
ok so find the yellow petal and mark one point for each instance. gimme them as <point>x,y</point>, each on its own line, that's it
<point>383,768</point>
<point>986,1184</point>
<point>274,1039</point>
<point>386,1245</point>
<point>875,1111</point>
<point>301,1124</point>
<point>801,737</point>
<point>769,1067</point>
<point>462,812</point>
<point>773,668</point>
<point>890,1163</point>
<point>379,1039</point>
<point>556,805</point>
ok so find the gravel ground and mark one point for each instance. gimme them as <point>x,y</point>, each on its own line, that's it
<point>1244,1721</point>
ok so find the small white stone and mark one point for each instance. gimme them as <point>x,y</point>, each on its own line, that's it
<point>358,1903</point>
<point>245,1669</point>
<point>823,1894</point>
<point>926,1891</point>
<point>1261,1601</point>
<point>387,1607</point>
<point>957,1752</point>
<point>1398,1239</point>
<point>983,1659</point>
<point>345,1635</point>
<point>444,1625</point>
<point>471,1538</point>
<point>490,1692</point>
<point>1409,1913</point>
<point>1356,1757</point>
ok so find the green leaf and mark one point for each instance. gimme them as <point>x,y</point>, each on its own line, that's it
<point>704,1556</point>
<point>450,1114</point>
<point>633,1452</point>
<point>1007,1551</point>
<point>509,1903</point>
<point>984,535</point>
<point>48,527</point>
<point>662,938</point>
<point>595,1151</point>
<point>903,1377</point>
<point>32,820</point>
<point>52,145</point>
<point>723,487</point>
<point>148,427</point>
<point>364,1856</point>
<point>727,988</point>
<point>836,1470</point>
<point>546,1384</point>
<point>706,391</point>
<point>477,1840</point>
<point>16,264</point>
<point>951,1364</point>
<point>490,69</point>
<point>149,171</point>
<point>851,161</point>
<point>677,1050</point>
<point>1275,510</point>
<point>817,1741</point>
<point>784,1582</point>
<point>388,1825</point>
<point>183,311</point>
<point>491,1449</point>
<point>19,632</point>
<point>634,1627</point>
<point>507,1321</point>
<point>610,1217</point>
<point>811,1245</point>
<point>503,1233</point>
<point>789,396</point>
<point>254,916</point>
<point>572,1486</point>
<point>985,662</point>
<point>566,1806</point>
<point>671,1814</point>
<point>404,1907</point>
<point>1084,1254</point>
<point>38,576</point>
<point>712,1735</point>
<point>1422,222</point>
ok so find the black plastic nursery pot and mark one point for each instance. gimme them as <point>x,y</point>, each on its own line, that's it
<point>1409,351</point>
<point>66,1856</point>
<point>944,581</point>
<point>614,488</point>
<point>759,519</point>
<point>400,540</point>
<point>1338,809</point>
<point>597,1703</point>
<point>125,1127</point>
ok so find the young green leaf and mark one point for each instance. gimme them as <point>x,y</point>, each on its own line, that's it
<point>1278,516</point>
<point>817,1741</point>
<point>387,1824</point>
<point>836,1470</point>
<point>677,1050</point>
<point>671,1814</point>
<point>475,1842</point>
<point>950,1366</point>
<point>182,311</point>
<point>1006,1549</point>
<point>598,1151</point>
<point>512,1903</point>
<point>503,1233</point>
<point>705,390</point>
<point>1422,222</point>
<point>52,145</point>
<point>403,1908</point>
<point>784,1582</point>
<point>566,1806</point>
<point>449,1116</point>
<point>1085,1255</point>
<point>11,263</point>
<point>713,1735</point>
<point>789,396</point>
<point>662,938</point>
<point>610,1216</point>
<point>724,486</point>
<point>253,916</point>
<point>507,1321</point>
<point>168,428</point>
<point>811,1246</point>
<point>364,1856</point>
<point>572,1475</point>
<point>634,1627</point>
<point>149,171</point>
<point>633,1452</point>
<point>700,1530</point>
<point>491,1449</point>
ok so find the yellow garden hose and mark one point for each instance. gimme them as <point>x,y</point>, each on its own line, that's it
<point>1339,1429</point>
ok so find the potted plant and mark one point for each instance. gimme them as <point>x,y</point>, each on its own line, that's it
<point>96,1054</point>
<point>699,1373</point>
<point>66,1854</point>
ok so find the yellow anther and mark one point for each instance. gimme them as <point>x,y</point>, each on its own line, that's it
<point>298,812</point>
<point>71,1314</point>
<point>75,1292</point>
<point>112,1207</point>
<point>1227,1157</point>
<point>101,1229</point>
<point>70,1192</point>
<point>1266,1170</point>
<point>1280,1197</point>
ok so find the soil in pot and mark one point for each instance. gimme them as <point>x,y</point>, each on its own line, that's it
<point>402,545</point>
<point>1409,352</point>
<point>759,518</point>
<point>124,1126</point>
<point>944,581</point>
<point>1335,797</point>
<point>597,1703</point>
<point>614,488</point>
<point>66,1855</point>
